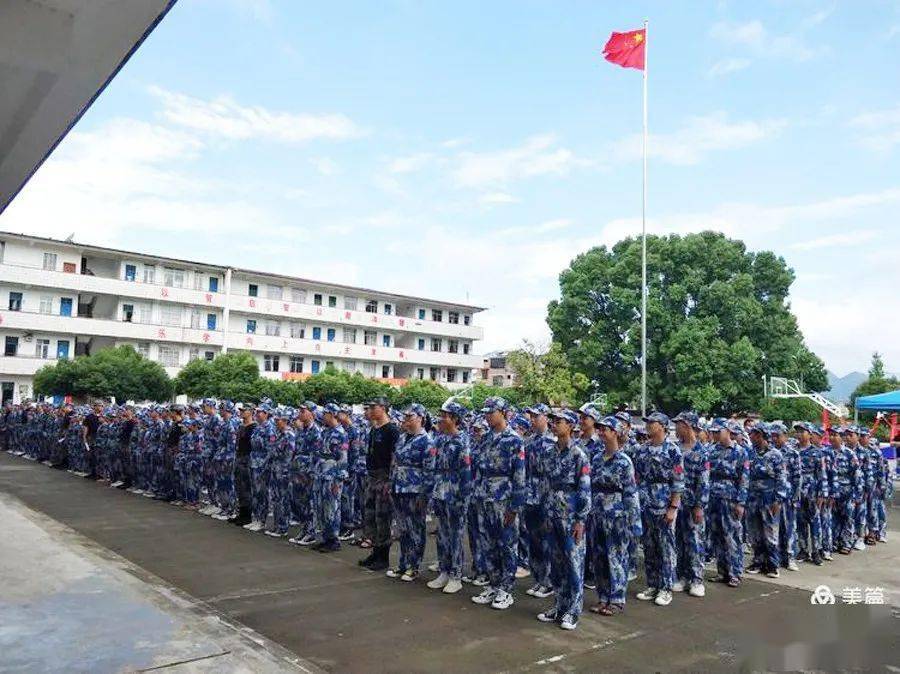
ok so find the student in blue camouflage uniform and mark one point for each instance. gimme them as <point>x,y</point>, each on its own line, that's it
<point>308,446</point>
<point>223,463</point>
<point>787,541</point>
<point>350,515</point>
<point>659,470</point>
<point>450,497</point>
<point>614,499</point>
<point>500,491</point>
<point>331,473</point>
<point>629,444</point>
<point>475,513</point>
<point>260,442</point>
<point>876,475</point>
<point>768,491</point>
<point>212,432</point>
<point>412,479</point>
<point>539,446</point>
<point>729,480</point>
<point>690,525</point>
<point>847,488</point>
<point>814,491</point>
<point>281,448</point>
<point>867,482</point>
<point>568,502</point>
<point>827,519</point>
<point>589,415</point>
<point>188,461</point>
<point>885,495</point>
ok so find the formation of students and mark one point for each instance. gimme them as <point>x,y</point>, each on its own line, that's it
<point>569,497</point>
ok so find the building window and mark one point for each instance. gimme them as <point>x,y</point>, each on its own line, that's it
<point>421,314</point>
<point>253,290</point>
<point>274,292</point>
<point>317,333</point>
<point>149,273</point>
<point>436,344</point>
<point>350,303</point>
<point>433,373</point>
<point>144,313</point>
<point>421,344</point>
<point>437,315</point>
<point>15,301</point>
<point>270,362</point>
<point>317,299</point>
<point>196,319</point>
<point>169,315</point>
<point>329,364</point>
<point>466,347</point>
<point>451,375</point>
<point>130,272</point>
<point>273,329</point>
<point>349,335</point>
<point>297,331</point>
<point>465,377</point>
<point>453,346</point>
<point>213,284</point>
<point>371,307</point>
<point>388,309</point>
<point>50,262</point>
<point>329,334</point>
<point>349,366</point>
<point>168,355</point>
<point>128,313</point>
<point>467,319</point>
<point>385,371</point>
<point>143,349</point>
<point>369,337</point>
<point>210,321</point>
<point>369,369</point>
<point>298,295</point>
<point>42,348</point>
<point>296,363</point>
<point>11,346</point>
<point>174,278</point>
<point>420,373</point>
<point>209,355</point>
<point>453,317</point>
<point>497,380</point>
<point>198,280</point>
<point>314,366</point>
<point>386,340</point>
<point>46,304</point>
<point>332,301</point>
<point>251,326</point>
<point>193,353</point>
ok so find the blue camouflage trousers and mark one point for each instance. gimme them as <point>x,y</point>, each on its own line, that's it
<point>208,475</point>
<point>827,519</point>
<point>259,488</point>
<point>690,541</point>
<point>726,537</point>
<point>498,541</point>
<point>190,478</point>
<point>302,502</point>
<point>843,524</point>
<point>348,502</point>
<point>474,523</point>
<point>566,565</point>
<point>809,526</point>
<point>225,496</point>
<point>763,528</point>
<point>860,516</point>
<point>329,514</point>
<point>451,523</point>
<point>280,494</point>
<point>536,525</point>
<point>409,514</point>
<point>610,538</point>
<point>787,532</point>
<point>659,550</point>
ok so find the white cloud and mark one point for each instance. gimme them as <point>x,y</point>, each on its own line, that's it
<point>759,41</point>
<point>879,130</point>
<point>819,16</point>
<point>537,156</point>
<point>833,240</point>
<point>224,117</point>
<point>325,165</point>
<point>497,198</point>
<point>410,163</point>
<point>699,136</point>
<point>729,65</point>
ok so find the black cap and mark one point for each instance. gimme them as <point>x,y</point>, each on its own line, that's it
<point>380,401</point>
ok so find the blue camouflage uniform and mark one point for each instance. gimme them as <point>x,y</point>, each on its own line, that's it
<point>788,544</point>
<point>224,459</point>
<point>827,510</point>
<point>847,489</point>
<point>351,516</point>
<point>309,441</point>
<point>190,447</point>
<point>875,511</point>
<point>538,449</point>
<point>330,474</point>
<point>450,497</point>
<point>412,479</point>
<point>260,442</point>
<point>861,513</point>
<point>729,480</point>
<point>814,488</point>
<point>690,535</point>
<point>281,447</point>
<point>768,487</point>
<point>475,511</point>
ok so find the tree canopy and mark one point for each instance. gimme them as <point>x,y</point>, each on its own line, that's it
<point>119,373</point>
<point>718,319</point>
<point>546,377</point>
<point>877,382</point>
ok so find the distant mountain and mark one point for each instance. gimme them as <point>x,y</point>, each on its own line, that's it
<point>842,387</point>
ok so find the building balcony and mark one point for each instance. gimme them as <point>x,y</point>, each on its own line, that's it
<point>18,275</point>
<point>325,350</point>
<point>122,330</point>
<point>23,365</point>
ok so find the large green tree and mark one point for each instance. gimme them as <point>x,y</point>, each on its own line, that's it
<point>718,319</point>
<point>546,376</point>
<point>119,373</point>
<point>229,375</point>
<point>877,382</point>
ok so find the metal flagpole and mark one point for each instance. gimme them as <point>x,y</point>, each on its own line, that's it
<point>644,246</point>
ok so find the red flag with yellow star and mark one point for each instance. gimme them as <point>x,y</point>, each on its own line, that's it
<point>626,49</point>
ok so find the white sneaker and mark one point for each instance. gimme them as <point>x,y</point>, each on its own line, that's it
<point>481,581</point>
<point>215,511</point>
<point>439,582</point>
<point>274,534</point>
<point>222,517</point>
<point>568,622</point>
<point>453,586</point>
<point>827,556</point>
<point>531,590</point>
<point>548,616</point>
<point>409,575</point>
<point>697,590</point>
<point>543,592</point>
<point>394,573</point>
<point>663,598</point>
<point>648,595</point>
<point>434,566</point>
<point>678,586</point>
<point>253,526</point>
<point>522,572</point>
<point>859,545</point>
<point>486,597</point>
<point>502,601</point>
<point>792,565</point>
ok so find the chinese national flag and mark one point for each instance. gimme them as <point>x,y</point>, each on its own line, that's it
<point>626,49</point>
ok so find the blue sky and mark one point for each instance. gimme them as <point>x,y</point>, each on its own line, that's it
<point>469,150</point>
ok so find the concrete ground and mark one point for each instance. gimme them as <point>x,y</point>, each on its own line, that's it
<point>333,615</point>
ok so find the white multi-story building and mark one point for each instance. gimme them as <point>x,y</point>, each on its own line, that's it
<point>60,299</point>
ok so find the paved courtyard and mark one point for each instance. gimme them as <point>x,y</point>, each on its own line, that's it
<point>95,579</point>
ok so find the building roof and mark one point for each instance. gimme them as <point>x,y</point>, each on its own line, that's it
<point>241,270</point>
